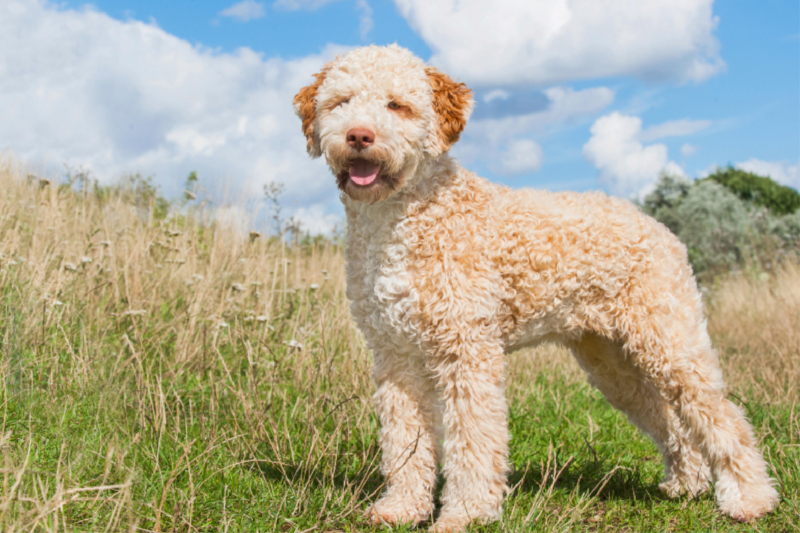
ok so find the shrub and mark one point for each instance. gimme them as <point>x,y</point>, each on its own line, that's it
<point>722,228</point>
<point>779,199</point>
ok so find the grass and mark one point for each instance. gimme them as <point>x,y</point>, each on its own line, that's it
<point>172,375</point>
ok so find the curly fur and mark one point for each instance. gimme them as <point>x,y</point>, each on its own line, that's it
<point>447,272</point>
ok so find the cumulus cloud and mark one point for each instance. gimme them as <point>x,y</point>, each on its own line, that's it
<point>781,171</point>
<point>505,140</point>
<point>81,88</point>
<point>552,41</point>
<point>244,11</point>
<point>626,165</point>
<point>316,221</point>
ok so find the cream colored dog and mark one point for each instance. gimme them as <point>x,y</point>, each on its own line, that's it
<point>447,272</point>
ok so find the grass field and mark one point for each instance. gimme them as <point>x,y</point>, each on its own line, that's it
<point>174,376</point>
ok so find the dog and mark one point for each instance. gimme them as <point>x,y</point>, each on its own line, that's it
<point>447,272</point>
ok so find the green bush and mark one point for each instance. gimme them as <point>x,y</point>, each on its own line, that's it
<point>724,228</point>
<point>779,199</point>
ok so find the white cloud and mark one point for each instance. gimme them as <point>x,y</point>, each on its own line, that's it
<point>244,11</point>
<point>295,5</point>
<point>626,165</point>
<point>781,171</point>
<point>521,157</point>
<point>551,41</point>
<point>314,220</point>
<point>688,150</point>
<point>673,128</point>
<point>566,104</point>
<point>365,22</point>
<point>81,88</point>
<point>502,142</point>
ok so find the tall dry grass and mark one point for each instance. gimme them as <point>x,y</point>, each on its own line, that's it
<point>178,375</point>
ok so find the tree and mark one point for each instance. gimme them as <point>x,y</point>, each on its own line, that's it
<point>760,190</point>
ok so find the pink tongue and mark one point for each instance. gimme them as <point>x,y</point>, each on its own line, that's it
<point>363,172</point>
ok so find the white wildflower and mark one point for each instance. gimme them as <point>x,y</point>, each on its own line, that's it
<point>262,318</point>
<point>313,286</point>
<point>239,287</point>
<point>295,344</point>
<point>86,259</point>
<point>70,266</point>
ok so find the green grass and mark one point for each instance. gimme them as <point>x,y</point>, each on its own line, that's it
<point>263,437</point>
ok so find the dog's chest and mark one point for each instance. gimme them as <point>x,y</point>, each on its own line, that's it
<point>383,300</point>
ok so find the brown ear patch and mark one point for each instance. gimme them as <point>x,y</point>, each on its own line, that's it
<point>305,105</point>
<point>452,102</point>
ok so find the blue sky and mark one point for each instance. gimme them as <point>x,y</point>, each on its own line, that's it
<point>570,94</point>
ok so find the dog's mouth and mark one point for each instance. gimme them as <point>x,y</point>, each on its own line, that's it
<point>363,172</point>
<point>368,181</point>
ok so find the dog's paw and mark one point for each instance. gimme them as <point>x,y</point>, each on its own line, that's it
<point>754,505</point>
<point>394,512</point>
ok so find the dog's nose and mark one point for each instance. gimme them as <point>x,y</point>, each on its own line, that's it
<point>360,138</point>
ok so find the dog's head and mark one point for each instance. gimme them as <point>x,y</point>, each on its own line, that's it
<point>376,114</point>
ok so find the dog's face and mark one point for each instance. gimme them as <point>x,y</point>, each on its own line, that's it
<point>376,114</point>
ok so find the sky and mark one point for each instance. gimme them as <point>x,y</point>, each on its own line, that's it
<point>570,94</point>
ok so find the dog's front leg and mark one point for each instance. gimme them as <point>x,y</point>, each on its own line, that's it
<point>410,417</point>
<point>476,438</point>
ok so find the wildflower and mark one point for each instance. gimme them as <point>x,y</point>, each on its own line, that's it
<point>86,259</point>
<point>105,244</point>
<point>238,287</point>
<point>135,312</point>
<point>58,302</point>
<point>70,266</point>
<point>262,318</point>
<point>222,324</point>
<point>313,286</point>
<point>295,344</point>
<point>174,233</point>
<point>254,235</point>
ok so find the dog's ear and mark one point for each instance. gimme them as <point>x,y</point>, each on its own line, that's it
<point>305,105</point>
<point>452,103</point>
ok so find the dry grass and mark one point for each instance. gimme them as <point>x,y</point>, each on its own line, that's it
<point>175,376</point>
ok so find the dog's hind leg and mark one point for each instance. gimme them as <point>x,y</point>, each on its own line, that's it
<point>675,353</point>
<point>625,388</point>
<point>410,438</point>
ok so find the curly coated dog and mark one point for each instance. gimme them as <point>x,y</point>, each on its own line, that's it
<point>447,272</point>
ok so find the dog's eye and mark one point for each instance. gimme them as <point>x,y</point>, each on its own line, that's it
<point>342,102</point>
<point>393,105</point>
